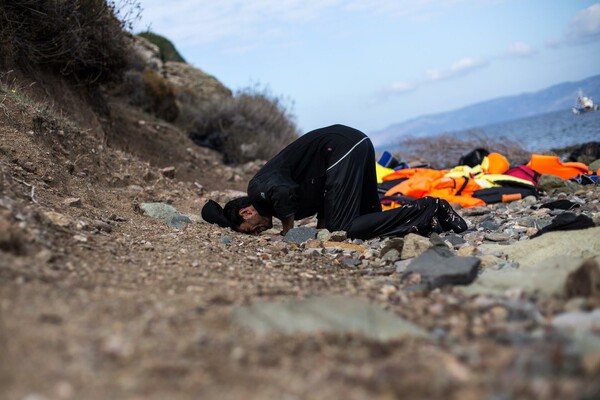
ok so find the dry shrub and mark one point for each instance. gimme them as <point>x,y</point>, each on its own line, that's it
<point>81,39</point>
<point>252,125</point>
<point>444,151</point>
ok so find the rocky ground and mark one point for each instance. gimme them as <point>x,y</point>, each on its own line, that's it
<point>108,291</point>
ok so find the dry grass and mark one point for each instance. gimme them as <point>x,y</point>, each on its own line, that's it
<point>444,151</point>
<point>84,40</point>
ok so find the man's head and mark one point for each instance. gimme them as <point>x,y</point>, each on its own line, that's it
<point>245,218</point>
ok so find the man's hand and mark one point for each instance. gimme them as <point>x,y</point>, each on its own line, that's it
<point>288,223</point>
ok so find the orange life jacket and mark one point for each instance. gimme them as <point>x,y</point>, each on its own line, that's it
<point>553,166</point>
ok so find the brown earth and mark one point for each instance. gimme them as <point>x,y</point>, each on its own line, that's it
<point>98,301</point>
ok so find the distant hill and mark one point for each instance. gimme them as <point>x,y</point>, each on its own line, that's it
<point>554,98</point>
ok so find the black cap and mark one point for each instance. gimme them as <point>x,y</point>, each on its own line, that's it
<point>212,212</point>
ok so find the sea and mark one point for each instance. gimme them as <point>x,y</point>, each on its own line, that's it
<point>555,130</point>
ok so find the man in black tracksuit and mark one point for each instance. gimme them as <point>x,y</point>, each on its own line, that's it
<point>329,172</point>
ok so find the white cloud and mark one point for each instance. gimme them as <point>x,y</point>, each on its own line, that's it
<point>194,22</point>
<point>411,9</point>
<point>402,87</point>
<point>462,67</point>
<point>520,49</point>
<point>585,26</point>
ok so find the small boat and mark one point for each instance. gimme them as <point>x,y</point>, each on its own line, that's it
<point>584,104</point>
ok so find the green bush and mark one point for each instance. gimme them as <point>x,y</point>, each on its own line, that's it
<point>81,39</point>
<point>168,52</point>
<point>252,125</point>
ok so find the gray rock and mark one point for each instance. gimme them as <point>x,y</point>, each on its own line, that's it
<point>225,239</point>
<point>392,244</point>
<point>300,235</point>
<point>578,320</point>
<point>529,201</point>
<point>594,166</point>
<point>102,226</point>
<point>497,236</point>
<point>455,240</point>
<point>391,255</point>
<point>402,265</point>
<point>73,202</point>
<point>549,277</point>
<point>351,262</point>
<point>178,221</point>
<point>332,314</point>
<point>158,210</point>
<point>577,244</point>
<point>437,269</point>
<point>551,183</point>
<point>338,236</point>
<point>324,235</point>
<point>489,224</point>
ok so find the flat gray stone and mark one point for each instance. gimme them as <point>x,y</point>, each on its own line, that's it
<point>578,320</point>
<point>331,314</point>
<point>300,235</point>
<point>178,221</point>
<point>438,267</point>
<point>159,210</point>
<point>497,236</point>
<point>548,277</point>
<point>577,244</point>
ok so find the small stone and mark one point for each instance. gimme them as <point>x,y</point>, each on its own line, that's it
<point>489,261</point>
<point>499,313</point>
<point>531,231</point>
<point>391,255</point>
<point>468,251</point>
<point>73,202</point>
<point>351,262</point>
<point>312,244</point>
<point>414,245</point>
<point>102,226</point>
<point>300,235</point>
<point>338,236</point>
<point>324,235</point>
<point>168,172</point>
<point>57,218</point>
<point>80,238</point>
<point>388,290</point>
<point>345,246</point>
<point>225,239</point>
<point>178,221</point>
<point>497,236</point>
<point>489,225</point>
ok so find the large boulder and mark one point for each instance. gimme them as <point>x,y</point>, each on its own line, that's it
<point>194,86</point>
<point>146,55</point>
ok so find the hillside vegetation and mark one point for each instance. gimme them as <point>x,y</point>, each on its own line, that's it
<point>54,48</point>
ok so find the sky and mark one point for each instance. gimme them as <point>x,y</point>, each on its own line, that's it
<point>373,63</point>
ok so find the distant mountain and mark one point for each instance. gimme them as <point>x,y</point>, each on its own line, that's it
<point>555,98</point>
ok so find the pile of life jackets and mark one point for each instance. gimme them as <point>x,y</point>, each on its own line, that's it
<point>490,181</point>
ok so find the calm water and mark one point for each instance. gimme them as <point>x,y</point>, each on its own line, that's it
<point>554,130</point>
